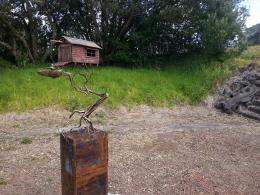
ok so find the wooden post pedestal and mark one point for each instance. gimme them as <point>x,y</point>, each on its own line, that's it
<point>84,163</point>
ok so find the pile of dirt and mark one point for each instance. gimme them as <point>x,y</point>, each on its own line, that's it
<point>240,91</point>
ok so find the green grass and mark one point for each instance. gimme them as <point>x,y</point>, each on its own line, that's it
<point>186,80</point>
<point>26,140</point>
<point>2,181</point>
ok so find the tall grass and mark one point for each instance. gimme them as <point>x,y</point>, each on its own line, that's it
<point>186,80</point>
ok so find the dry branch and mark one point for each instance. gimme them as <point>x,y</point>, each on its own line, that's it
<point>55,72</point>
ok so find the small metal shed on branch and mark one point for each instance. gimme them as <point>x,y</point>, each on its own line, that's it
<point>77,51</point>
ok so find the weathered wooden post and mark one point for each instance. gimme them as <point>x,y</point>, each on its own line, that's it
<point>84,163</point>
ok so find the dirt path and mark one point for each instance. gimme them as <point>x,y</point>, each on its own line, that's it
<point>185,150</point>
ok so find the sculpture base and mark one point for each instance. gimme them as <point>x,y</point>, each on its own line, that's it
<point>84,162</point>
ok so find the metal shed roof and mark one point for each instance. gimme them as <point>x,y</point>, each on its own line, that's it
<point>81,42</point>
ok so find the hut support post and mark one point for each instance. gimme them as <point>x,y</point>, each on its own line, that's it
<point>84,163</point>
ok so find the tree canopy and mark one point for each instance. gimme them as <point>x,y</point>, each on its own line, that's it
<point>129,31</point>
<point>253,35</point>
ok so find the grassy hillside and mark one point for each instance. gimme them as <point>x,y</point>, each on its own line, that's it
<point>186,80</point>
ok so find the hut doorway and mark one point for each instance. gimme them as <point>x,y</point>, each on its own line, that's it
<point>65,53</point>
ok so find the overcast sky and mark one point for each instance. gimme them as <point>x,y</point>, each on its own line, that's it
<point>254,11</point>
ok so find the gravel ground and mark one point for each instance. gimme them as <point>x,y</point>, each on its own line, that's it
<point>184,150</point>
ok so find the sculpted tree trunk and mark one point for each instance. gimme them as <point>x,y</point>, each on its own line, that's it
<point>55,72</point>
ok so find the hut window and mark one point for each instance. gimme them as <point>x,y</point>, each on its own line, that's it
<point>91,53</point>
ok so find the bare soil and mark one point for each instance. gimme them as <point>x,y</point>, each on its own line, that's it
<point>184,150</point>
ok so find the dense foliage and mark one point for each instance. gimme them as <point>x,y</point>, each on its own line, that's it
<point>130,31</point>
<point>253,35</point>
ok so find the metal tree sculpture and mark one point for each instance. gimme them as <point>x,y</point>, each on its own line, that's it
<point>55,72</point>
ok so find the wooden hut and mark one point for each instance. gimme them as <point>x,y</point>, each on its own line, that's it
<point>77,51</point>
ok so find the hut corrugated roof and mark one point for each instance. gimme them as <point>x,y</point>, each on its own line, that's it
<point>76,41</point>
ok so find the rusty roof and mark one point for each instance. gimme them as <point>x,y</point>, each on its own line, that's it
<point>81,42</point>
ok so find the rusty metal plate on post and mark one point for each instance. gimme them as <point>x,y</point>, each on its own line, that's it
<point>84,163</point>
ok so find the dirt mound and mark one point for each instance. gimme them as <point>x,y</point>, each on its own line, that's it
<point>241,90</point>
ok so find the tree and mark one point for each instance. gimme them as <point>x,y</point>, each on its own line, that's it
<point>128,30</point>
<point>253,35</point>
<point>222,22</point>
<point>27,28</point>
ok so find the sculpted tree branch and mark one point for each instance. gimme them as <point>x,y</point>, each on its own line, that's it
<point>55,72</point>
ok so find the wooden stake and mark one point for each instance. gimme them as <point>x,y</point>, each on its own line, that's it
<point>84,163</point>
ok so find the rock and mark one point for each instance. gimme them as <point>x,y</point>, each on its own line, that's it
<point>241,89</point>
